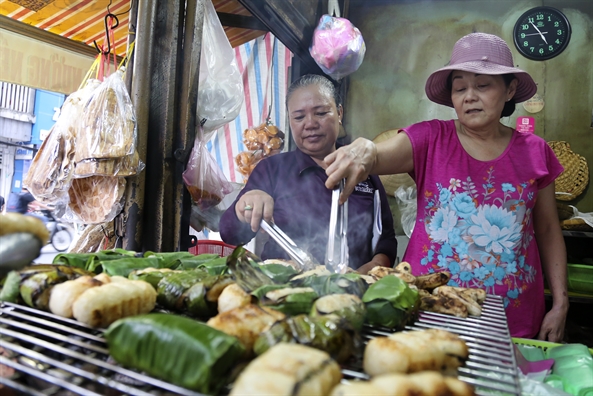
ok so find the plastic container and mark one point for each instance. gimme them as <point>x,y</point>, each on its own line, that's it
<point>213,247</point>
<point>580,278</point>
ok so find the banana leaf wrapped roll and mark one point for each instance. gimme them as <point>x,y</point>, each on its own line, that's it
<point>151,275</point>
<point>91,261</point>
<point>333,284</point>
<point>330,333</point>
<point>286,299</point>
<point>243,266</point>
<point>280,271</point>
<point>38,280</point>
<point>347,306</point>
<point>390,303</point>
<point>10,288</point>
<point>194,292</point>
<point>176,349</point>
<point>215,266</point>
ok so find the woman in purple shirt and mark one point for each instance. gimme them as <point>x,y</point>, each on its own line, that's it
<point>289,188</point>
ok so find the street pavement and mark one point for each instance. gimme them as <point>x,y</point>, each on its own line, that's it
<point>47,255</point>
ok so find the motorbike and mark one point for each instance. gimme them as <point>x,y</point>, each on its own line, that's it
<point>60,235</point>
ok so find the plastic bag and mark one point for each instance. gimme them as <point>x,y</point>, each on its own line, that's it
<point>262,141</point>
<point>95,199</point>
<point>108,126</point>
<point>338,47</point>
<point>406,202</point>
<point>203,178</point>
<point>210,218</point>
<point>51,171</point>
<point>220,92</point>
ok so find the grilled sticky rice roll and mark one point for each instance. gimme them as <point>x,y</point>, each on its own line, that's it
<point>414,351</point>
<point>404,266</point>
<point>63,295</point>
<point>426,383</point>
<point>289,369</point>
<point>233,296</point>
<point>100,306</point>
<point>478,295</point>
<point>246,323</point>
<point>453,292</point>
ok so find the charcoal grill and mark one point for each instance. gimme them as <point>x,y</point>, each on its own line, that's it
<point>56,356</point>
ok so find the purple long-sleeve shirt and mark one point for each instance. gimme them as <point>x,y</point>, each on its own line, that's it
<point>302,208</point>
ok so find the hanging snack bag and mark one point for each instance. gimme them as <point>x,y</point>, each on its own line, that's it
<point>95,199</point>
<point>262,141</point>
<point>338,47</point>
<point>108,127</point>
<point>51,171</point>
<point>203,178</point>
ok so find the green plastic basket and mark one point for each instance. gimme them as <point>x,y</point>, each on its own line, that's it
<point>543,345</point>
<point>580,278</point>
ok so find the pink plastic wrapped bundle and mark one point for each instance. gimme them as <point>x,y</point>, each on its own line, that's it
<point>338,47</point>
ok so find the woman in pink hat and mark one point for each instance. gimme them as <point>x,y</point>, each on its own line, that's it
<point>486,204</point>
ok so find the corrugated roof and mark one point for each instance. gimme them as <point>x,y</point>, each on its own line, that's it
<point>83,20</point>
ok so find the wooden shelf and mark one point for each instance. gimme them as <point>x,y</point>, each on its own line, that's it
<point>579,234</point>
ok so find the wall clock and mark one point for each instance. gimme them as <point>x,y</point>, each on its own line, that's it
<point>541,33</point>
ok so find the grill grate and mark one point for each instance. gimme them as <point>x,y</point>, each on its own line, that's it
<point>55,356</point>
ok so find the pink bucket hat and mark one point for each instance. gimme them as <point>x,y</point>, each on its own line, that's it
<point>479,53</point>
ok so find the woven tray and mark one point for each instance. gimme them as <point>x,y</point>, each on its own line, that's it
<point>573,181</point>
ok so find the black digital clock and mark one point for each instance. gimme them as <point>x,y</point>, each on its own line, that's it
<point>541,33</point>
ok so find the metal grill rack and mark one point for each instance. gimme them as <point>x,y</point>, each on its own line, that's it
<point>56,356</point>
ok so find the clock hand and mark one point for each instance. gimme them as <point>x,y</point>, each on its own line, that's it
<point>534,34</point>
<point>540,33</point>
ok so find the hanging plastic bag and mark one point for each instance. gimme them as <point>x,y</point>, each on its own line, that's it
<point>108,127</point>
<point>220,92</point>
<point>52,169</point>
<point>406,202</point>
<point>338,47</point>
<point>203,178</point>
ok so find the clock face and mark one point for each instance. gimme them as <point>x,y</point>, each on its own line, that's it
<point>541,33</point>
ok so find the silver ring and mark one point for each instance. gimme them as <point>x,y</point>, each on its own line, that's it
<point>248,207</point>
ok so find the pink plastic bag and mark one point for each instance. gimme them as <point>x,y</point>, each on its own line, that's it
<point>338,47</point>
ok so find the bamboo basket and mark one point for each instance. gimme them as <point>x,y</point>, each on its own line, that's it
<point>573,181</point>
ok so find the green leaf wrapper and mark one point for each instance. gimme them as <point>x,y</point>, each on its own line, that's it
<point>334,284</point>
<point>151,275</point>
<point>124,266</point>
<point>390,302</point>
<point>176,349</point>
<point>244,268</point>
<point>347,306</point>
<point>327,333</point>
<point>277,272</point>
<point>10,290</point>
<point>296,303</point>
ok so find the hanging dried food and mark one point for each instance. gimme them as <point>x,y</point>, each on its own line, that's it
<point>96,199</point>
<point>262,141</point>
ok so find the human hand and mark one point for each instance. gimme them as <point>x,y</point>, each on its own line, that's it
<point>353,162</point>
<point>552,328</point>
<point>253,206</point>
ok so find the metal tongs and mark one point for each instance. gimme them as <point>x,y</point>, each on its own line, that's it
<point>336,259</point>
<point>301,257</point>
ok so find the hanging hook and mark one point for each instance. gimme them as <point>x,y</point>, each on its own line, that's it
<point>109,15</point>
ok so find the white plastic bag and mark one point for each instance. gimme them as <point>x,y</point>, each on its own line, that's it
<point>406,202</point>
<point>220,92</point>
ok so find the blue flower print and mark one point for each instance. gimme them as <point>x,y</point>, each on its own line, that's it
<point>430,254</point>
<point>442,223</point>
<point>506,302</point>
<point>442,261</point>
<point>464,205</point>
<point>489,281</point>
<point>466,276</point>
<point>452,283</point>
<point>511,267</point>
<point>490,268</point>
<point>495,229</point>
<point>454,267</point>
<point>481,273</point>
<point>524,185</point>
<point>513,293</point>
<point>446,250</point>
<point>429,204</point>
<point>499,273</point>
<point>444,196</point>
<point>530,195</point>
<point>508,187</point>
<point>521,261</point>
<point>507,257</point>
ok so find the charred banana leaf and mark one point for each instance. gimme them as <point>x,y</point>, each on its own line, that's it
<point>92,261</point>
<point>214,266</point>
<point>279,273</point>
<point>244,269</point>
<point>347,306</point>
<point>334,284</point>
<point>38,280</point>
<point>390,303</point>
<point>328,333</point>
<point>176,349</point>
<point>286,299</point>
<point>194,292</point>
<point>10,289</point>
